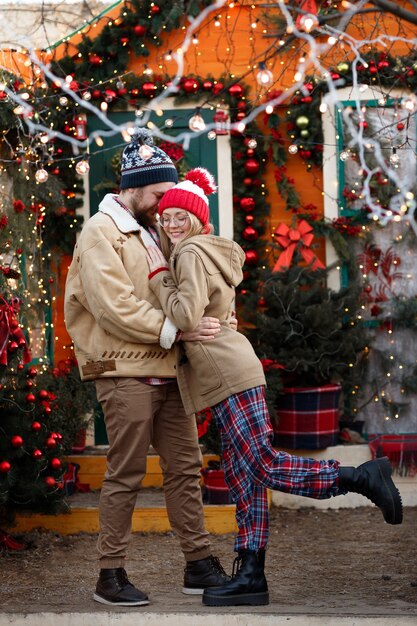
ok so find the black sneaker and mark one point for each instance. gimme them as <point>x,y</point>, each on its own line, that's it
<point>199,575</point>
<point>113,587</point>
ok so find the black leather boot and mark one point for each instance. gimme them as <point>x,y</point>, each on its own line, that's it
<point>198,575</point>
<point>113,587</point>
<point>373,480</point>
<point>247,586</point>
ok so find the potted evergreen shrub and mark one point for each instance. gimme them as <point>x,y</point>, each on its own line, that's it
<point>314,337</point>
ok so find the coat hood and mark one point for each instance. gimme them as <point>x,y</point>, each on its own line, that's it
<point>224,254</point>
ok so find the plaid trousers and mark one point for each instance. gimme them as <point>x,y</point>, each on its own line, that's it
<point>251,466</point>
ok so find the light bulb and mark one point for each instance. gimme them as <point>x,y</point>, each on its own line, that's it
<point>196,123</point>
<point>169,122</point>
<point>83,167</point>
<point>308,22</point>
<point>41,175</point>
<point>409,103</point>
<point>252,144</point>
<point>264,77</point>
<point>211,135</point>
<point>293,149</point>
<point>145,151</point>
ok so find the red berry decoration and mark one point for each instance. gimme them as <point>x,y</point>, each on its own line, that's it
<point>252,166</point>
<point>4,467</point>
<point>400,126</point>
<point>139,30</point>
<point>55,463</point>
<point>30,397</point>
<point>207,85</point>
<point>37,454</point>
<point>32,372</point>
<point>13,346</point>
<point>50,443</point>
<point>36,426</point>
<point>43,394</point>
<point>249,219</point>
<point>16,441</point>
<point>20,367</point>
<point>50,481</point>
<point>155,9</point>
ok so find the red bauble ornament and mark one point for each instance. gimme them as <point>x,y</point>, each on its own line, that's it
<point>37,454</point>
<point>148,89</point>
<point>155,9</point>
<point>43,394</point>
<point>32,371</point>
<point>30,397</point>
<point>250,234</point>
<point>94,59</point>
<point>191,85</point>
<point>20,367</point>
<point>207,85</point>
<point>55,463</point>
<point>12,346</point>
<point>36,426</point>
<point>50,443</point>
<point>4,467</point>
<point>50,481</point>
<point>400,126</point>
<point>248,182</point>
<point>252,166</point>
<point>241,105</point>
<point>249,219</point>
<point>236,91</point>
<point>247,204</point>
<point>251,257</point>
<point>96,94</point>
<point>16,441</point>
<point>29,384</point>
<point>124,40</point>
<point>217,88</point>
<point>139,30</point>
<point>250,152</point>
<point>240,116</point>
<point>261,302</point>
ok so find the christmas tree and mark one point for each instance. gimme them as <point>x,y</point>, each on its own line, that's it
<point>308,334</point>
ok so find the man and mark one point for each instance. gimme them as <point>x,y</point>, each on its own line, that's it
<point>124,342</point>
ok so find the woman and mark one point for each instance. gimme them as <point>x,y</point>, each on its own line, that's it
<point>226,375</point>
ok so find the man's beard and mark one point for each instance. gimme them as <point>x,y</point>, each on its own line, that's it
<point>145,220</point>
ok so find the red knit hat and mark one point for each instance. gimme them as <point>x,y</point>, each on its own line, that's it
<point>190,194</point>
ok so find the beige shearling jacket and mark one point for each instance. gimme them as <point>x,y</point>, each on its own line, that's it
<point>204,271</point>
<point>112,316</point>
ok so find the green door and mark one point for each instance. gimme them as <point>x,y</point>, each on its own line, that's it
<point>102,179</point>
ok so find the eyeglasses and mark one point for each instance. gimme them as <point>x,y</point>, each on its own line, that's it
<point>179,220</point>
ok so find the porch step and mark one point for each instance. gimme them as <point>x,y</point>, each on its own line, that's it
<point>149,516</point>
<point>93,465</point>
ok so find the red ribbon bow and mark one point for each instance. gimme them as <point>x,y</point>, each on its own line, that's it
<point>291,238</point>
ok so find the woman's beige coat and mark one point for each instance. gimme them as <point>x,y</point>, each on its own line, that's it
<point>205,270</point>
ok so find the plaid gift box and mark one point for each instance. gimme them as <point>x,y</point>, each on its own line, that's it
<point>308,417</point>
<point>400,449</point>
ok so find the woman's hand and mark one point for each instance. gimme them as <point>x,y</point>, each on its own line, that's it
<point>155,258</point>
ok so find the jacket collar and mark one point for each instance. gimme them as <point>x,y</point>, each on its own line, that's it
<point>124,221</point>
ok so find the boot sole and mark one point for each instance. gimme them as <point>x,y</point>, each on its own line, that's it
<point>395,516</point>
<point>98,598</point>
<point>252,599</point>
<point>192,592</point>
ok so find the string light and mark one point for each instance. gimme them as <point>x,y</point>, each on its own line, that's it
<point>82,167</point>
<point>196,123</point>
<point>264,77</point>
<point>41,175</point>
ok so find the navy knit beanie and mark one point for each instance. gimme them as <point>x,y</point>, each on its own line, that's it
<point>139,170</point>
